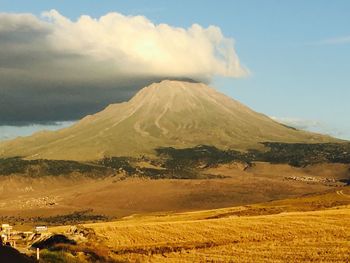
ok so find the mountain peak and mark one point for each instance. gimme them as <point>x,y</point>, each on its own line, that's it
<point>175,84</point>
<point>171,113</point>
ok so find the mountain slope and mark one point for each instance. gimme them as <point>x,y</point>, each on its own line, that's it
<point>169,113</point>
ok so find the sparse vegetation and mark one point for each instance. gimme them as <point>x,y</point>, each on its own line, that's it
<point>85,216</point>
<point>302,154</point>
<point>184,163</point>
<point>295,154</point>
<point>120,164</point>
<point>48,256</point>
<point>53,241</point>
<point>81,253</point>
<point>202,156</point>
<point>17,165</point>
<point>72,218</point>
<point>170,167</point>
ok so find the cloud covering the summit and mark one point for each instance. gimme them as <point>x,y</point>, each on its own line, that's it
<point>56,69</point>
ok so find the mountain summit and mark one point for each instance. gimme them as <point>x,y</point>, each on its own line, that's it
<point>170,113</point>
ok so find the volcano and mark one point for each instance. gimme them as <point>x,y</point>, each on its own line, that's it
<point>166,114</point>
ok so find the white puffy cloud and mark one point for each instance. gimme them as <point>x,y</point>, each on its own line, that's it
<point>314,126</point>
<point>56,69</point>
<point>135,45</point>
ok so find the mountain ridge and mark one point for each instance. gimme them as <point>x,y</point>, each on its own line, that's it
<point>170,113</point>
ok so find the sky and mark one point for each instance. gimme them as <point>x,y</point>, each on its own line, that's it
<point>61,61</point>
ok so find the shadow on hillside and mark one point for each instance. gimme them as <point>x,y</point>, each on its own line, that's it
<point>9,254</point>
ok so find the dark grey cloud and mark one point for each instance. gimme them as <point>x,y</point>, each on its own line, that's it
<point>41,85</point>
<point>37,103</point>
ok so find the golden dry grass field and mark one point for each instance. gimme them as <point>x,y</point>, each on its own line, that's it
<point>281,231</point>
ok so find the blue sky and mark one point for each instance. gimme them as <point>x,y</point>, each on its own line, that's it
<point>298,52</point>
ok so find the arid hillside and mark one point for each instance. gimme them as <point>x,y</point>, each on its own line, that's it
<point>167,114</point>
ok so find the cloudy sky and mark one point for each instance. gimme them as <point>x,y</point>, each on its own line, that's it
<point>61,60</point>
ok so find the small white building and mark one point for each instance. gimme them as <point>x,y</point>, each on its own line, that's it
<point>6,229</point>
<point>4,238</point>
<point>40,229</point>
<point>5,232</point>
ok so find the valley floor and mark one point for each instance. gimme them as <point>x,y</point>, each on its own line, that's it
<point>234,234</point>
<point>24,198</point>
<point>173,220</point>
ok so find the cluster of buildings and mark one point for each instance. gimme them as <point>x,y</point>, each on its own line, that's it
<point>311,179</point>
<point>6,230</point>
<point>9,237</point>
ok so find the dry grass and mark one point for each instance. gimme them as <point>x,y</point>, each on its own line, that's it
<point>308,236</point>
<point>222,236</point>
